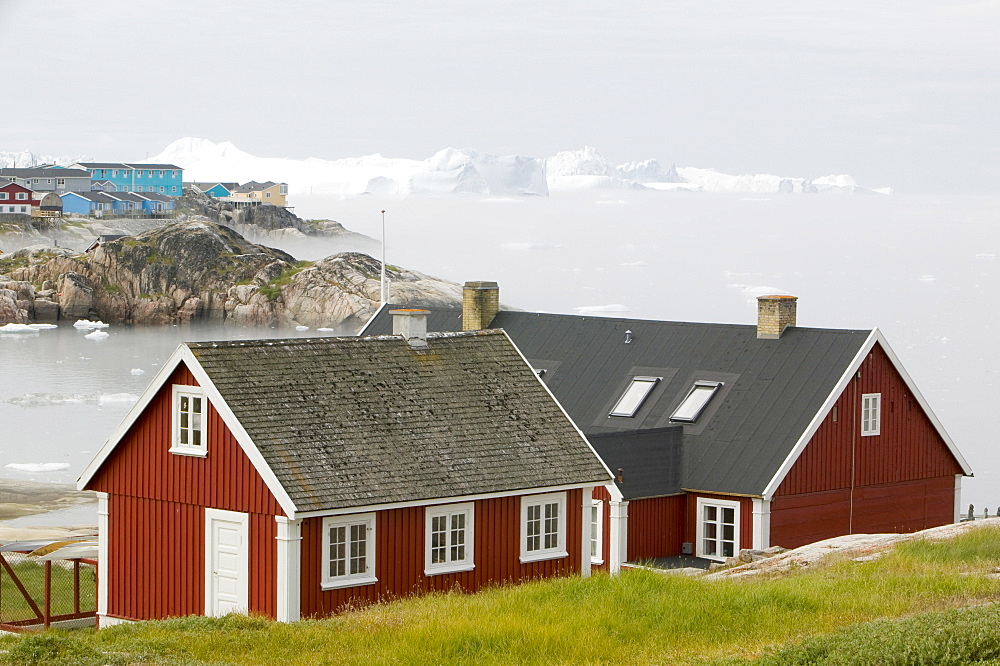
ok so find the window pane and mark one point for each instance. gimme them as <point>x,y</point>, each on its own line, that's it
<point>691,407</point>
<point>728,515</point>
<point>727,549</point>
<point>634,396</point>
<point>710,512</point>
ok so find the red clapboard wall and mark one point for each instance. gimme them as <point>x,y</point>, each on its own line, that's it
<point>399,559</point>
<point>901,480</point>
<point>656,527</point>
<point>157,518</point>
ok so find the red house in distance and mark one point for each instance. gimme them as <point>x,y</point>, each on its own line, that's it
<point>292,477</point>
<point>16,199</point>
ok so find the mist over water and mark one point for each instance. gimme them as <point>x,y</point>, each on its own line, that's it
<point>922,269</point>
<point>925,270</point>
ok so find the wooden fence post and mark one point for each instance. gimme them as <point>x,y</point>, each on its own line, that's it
<point>48,594</point>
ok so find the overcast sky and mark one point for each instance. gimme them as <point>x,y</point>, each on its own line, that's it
<point>905,94</point>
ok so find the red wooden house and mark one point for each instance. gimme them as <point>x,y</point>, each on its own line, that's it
<point>725,436</point>
<point>16,199</point>
<point>292,477</point>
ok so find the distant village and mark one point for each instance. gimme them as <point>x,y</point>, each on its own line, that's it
<point>109,189</point>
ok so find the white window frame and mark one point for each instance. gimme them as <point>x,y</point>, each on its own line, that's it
<point>451,564</point>
<point>633,388</point>
<point>700,535</point>
<point>696,394</point>
<point>871,414</point>
<point>189,449</point>
<point>3,196</point>
<point>543,552</point>
<point>366,577</point>
<point>22,196</point>
<point>596,532</point>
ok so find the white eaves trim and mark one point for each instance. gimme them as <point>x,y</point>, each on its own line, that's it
<point>875,337</point>
<point>184,355</point>
<point>538,379</point>
<point>435,501</point>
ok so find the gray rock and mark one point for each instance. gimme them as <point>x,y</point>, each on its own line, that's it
<point>76,296</point>
<point>46,311</point>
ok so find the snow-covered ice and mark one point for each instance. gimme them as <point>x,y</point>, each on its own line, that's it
<point>614,309</point>
<point>138,371</point>
<point>96,335</point>
<point>455,172</point>
<point>304,328</point>
<point>37,468</point>
<point>18,328</point>
<point>86,323</point>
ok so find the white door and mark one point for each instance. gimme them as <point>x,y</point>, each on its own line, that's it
<point>227,582</point>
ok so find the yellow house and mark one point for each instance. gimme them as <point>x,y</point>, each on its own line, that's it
<point>268,193</point>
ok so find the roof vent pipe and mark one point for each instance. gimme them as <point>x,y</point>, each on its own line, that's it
<point>774,314</point>
<point>412,325</point>
<point>628,337</point>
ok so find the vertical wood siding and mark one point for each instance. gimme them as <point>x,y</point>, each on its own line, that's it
<point>157,514</point>
<point>897,481</point>
<point>656,527</point>
<point>399,559</point>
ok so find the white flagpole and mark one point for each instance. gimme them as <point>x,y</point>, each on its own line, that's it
<point>384,295</point>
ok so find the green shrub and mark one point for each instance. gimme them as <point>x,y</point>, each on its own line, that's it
<point>952,637</point>
<point>54,649</point>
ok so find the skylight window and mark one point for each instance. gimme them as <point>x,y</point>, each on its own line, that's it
<point>692,406</point>
<point>634,396</point>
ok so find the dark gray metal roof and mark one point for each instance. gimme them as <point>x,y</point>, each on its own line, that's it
<point>771,389</point>
<point>650,460</point>
<point>347,422</point>
<point>39,172</point>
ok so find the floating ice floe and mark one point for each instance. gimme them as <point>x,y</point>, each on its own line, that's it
<point>116,398</point>
<point>614,308</point>
<point>301,328</point>
<point>325,330</point>
<point>36,468</point>
<point>138,371</point>
<point>96,335</point>
<point>86,323</point>
<point>43,327</point>
<point>17,328</point>
<point>48,399</point>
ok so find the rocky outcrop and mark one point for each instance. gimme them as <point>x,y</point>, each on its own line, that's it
<point>201,271</point>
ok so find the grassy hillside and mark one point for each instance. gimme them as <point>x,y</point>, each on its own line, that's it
<point>637,618</point>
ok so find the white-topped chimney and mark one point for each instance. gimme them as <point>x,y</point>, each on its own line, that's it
<point>412,325</point>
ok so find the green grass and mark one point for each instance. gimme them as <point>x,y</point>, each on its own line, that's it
<point>639,617</point>
<point>272,290</point>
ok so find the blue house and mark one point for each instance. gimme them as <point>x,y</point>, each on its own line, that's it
<point>158,178</point>
<point>216,190</point>
<point>154,203</point>
<point>86,203</point>
<point>125,203</point>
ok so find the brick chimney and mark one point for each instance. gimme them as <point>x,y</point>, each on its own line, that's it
<point>774,315</point>
<point>480,303</point>
<point>412,325</point>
